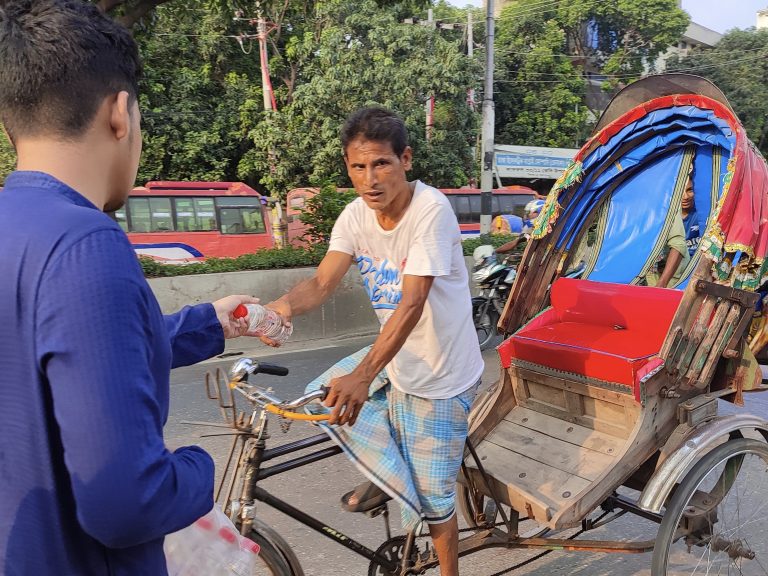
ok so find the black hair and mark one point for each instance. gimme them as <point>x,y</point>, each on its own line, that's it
<point>59,59</point>
<point>376,124</point>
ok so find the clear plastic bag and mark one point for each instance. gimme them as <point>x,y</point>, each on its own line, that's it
<point>210,546</point>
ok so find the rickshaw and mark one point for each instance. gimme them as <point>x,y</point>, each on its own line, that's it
<point>608,397</point>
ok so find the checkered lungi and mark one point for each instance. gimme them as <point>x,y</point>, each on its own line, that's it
<point>410,447</point>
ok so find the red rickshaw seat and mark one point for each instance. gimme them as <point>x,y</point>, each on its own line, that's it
<point>602,331</point>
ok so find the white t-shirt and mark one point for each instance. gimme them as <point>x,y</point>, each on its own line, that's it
<point>441,356</point>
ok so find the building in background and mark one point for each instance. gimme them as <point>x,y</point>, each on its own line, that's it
<point>762,19</point>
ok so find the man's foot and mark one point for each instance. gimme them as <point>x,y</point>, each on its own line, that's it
<point>364,497</point>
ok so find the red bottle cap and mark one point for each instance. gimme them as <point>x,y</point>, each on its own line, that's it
<point>240,312</point>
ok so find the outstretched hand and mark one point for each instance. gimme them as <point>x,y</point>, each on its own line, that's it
<point>283,308</point>
<point>225,307</point>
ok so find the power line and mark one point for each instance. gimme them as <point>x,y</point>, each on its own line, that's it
<point>628,76</point>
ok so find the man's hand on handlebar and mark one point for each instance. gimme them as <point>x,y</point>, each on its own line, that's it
<point>346,396</point>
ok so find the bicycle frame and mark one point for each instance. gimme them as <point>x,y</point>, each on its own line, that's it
<point>253,454</point>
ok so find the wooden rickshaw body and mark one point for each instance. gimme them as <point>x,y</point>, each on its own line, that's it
<point>603,381</point>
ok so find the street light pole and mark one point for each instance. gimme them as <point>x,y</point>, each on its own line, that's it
<point>486,176</point>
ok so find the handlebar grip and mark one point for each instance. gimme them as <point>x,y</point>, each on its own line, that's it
<point>273,369</point>
<point>326,390</point>
<point>240,312</point>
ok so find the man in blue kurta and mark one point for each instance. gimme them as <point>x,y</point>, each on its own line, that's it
<point>87,486</point>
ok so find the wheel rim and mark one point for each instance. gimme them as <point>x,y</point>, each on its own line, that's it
<point>484,327</point>
<point>721,526</point>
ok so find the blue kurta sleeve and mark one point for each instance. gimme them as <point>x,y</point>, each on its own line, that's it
<point>103,349</point>
<point>195,334</point>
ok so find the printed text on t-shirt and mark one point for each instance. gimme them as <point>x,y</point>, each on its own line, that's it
<point>382,282</point>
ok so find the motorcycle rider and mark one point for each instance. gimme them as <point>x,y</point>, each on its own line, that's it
<point>532,210</point>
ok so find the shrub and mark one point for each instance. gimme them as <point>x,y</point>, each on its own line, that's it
<point>271,258</point>
<point>322,210</point>
<point>494,240</point>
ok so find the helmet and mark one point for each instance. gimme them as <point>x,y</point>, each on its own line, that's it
<point>534,206</point>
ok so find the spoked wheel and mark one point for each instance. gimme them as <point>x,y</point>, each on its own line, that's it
<point>393,549</point>
<point>485,319</point>
<point>717,520</point>
<point>470,502</point>
<point>275,557</point>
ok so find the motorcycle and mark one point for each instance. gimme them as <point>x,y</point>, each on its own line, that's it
<point>494,280</point>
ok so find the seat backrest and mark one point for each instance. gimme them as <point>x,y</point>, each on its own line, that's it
<point>639,308</point>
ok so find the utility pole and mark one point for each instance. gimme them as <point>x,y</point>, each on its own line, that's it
<point>486,176</point>
<point>470,55</point>
<point>270,104</point>
<point>429,106</point>
<point>430,111</point>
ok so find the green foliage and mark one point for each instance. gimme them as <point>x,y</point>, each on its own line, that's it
<point>266,259</point>
<point>738,65</point>
<point>494,240</point>
<point>197,95</point>
<point>322,210</point>
<point>358,54</point>
<point>545,54</point>
<point>7,158</point>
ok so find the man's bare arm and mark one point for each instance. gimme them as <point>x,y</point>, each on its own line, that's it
<point>312,292</point>
<point>348,393</point>
<point>673,261</point>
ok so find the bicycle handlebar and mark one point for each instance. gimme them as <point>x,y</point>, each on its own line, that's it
<point>239,381</point>
<point>272,369</point>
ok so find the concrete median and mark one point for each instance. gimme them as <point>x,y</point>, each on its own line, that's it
<point>347,314</point>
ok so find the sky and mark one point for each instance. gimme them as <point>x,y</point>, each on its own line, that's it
<point>718,15</point>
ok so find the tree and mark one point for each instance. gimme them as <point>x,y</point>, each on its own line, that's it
<point>7,158</point>
<point>128,12</point>
<point>198,95</point>
<point>738,65</point>
<point>322,210</point>
<point>361,54</point>
<point>548,53</point>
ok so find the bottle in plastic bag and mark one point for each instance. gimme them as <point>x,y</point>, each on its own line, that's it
<point>263,322</point>
<point>210,547</point>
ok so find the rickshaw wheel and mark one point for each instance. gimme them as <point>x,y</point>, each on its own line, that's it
<point>469,502</point>
<point>717,518</point>
<point>393,550</point>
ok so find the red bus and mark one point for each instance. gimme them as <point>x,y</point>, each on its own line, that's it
<point>464,201</point>
<point>296,200</point>
<point>184,221</point>
<point>466,205</point>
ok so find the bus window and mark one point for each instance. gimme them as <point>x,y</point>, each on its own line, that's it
<point>463,213</point>
<point>240,215</point>
<point>150,214</point>
<point>295,207</point>
<point>140,218</point>
<point>514,203</point>
<point>195,214</point>
<point>474,206</point>
<point>495,206</point>
<point>162,219</point>
<point>121,218</point>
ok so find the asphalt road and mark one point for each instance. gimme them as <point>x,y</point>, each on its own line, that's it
<point>317,488</point>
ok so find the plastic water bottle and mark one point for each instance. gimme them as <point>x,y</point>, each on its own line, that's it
<point>244,561</point>
<point>263,322</point>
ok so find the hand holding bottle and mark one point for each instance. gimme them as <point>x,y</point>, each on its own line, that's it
<point>264,323</point>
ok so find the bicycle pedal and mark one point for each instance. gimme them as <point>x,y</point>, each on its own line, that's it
<point>376,512</point>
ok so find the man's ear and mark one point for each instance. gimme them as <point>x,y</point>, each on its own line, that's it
<point>120,115</point>
<point>406,158</point>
